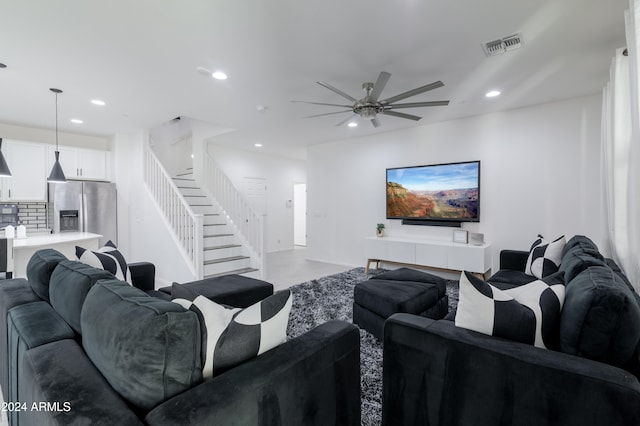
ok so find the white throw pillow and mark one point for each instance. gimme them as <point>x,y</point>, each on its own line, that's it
<point>545,257</point>
<point>231,336</point>
<point>108,258</point>
<point>529,313</point>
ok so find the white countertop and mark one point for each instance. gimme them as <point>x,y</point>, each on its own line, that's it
<point>52,239</point>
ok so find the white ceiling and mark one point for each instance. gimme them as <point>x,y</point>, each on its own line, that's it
<point>141,56</point>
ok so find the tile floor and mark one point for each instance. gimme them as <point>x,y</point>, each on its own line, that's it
<point>290,267</point>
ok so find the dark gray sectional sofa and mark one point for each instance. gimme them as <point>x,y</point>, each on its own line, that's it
<point>441,375</point>
<point>79,347</point>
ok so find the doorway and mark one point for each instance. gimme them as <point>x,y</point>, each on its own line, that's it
<point>300,214</point>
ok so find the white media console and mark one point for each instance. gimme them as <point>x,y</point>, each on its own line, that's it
<point>439,254</point>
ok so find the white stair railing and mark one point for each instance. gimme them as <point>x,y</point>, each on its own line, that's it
<point>248,225</point>
<point>186,225</point>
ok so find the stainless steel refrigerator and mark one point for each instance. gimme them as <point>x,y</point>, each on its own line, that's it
<point>84,206</point>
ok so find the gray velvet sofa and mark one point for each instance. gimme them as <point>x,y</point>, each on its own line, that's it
<point>441,375</point>
<point>80,347</point>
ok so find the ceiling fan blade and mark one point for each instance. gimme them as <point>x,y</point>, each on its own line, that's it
<point>413,92</point>
<point>322,103</point>
<point>378,87</point>
<point>375,122</point>
<point>401,115</point>
<point>338,91</point>
<point>346,120</point>
<point>327,113</point>
<point>418,104</point>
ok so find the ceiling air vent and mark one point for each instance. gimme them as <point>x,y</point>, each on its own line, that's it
<point>498,47</point>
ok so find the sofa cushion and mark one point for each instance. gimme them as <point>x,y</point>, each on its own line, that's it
<point>13,293</point>
<point>574,262</point>
<point>544,257</point>
<point>70,283</point>
<point>529,313</point>
<point>108,258</point>
<point>601,317</point>
<point>582,244</point>
<point>60,373</point>
<point>40,268</point>
<point>231,336</point>
<point>506,278</point>
<point>148,349</point>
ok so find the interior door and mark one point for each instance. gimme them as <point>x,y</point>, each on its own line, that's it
<point>255,190</point>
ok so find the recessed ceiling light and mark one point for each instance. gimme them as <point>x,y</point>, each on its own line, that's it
<point>219,75</point>
<point>352,124</point>
<point>492,94</point>
<point>258,145</point>
<point>98,102</point>
<point>76,121</point>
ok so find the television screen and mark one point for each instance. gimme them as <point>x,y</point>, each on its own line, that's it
<point>439,192</point>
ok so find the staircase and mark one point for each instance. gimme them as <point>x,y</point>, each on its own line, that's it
<point>223,253</point>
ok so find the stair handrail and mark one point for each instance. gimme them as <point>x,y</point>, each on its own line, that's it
<point>185,224</point>
<point>248,225</point>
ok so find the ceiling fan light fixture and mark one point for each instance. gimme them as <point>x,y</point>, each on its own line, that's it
<point>370,106</point>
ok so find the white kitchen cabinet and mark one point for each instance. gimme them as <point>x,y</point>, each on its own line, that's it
<point>82,163</point>
<point>27,163</point>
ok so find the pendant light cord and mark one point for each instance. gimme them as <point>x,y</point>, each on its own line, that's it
<point>56,121</point>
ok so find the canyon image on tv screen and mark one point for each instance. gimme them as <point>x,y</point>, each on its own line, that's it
<point>448,193</point>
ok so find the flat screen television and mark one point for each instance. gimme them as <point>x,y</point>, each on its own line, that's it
<point>438,194</point>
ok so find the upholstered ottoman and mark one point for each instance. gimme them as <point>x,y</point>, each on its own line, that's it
<point>232,290</point>
<point>400,291</point>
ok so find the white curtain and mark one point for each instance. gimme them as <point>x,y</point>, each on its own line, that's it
<point>621,151</point>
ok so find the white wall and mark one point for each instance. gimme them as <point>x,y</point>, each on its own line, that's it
<point>540,173</point>
<point>280,174</point>
<point>30,134</point>
<point>142,233</point>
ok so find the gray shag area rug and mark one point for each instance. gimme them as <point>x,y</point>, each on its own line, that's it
<point>328,298</point>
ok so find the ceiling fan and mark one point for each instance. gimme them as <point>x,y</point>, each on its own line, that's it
<point>369,106</point>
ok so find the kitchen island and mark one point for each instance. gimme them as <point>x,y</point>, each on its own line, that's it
<point>64,242</point>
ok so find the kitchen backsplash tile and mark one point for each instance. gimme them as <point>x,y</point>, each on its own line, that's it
<point>33,216</point>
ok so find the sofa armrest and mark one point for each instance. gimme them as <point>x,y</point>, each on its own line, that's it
<point>143,275</point>
<point>437,373</point>
<point>313,379</point>
<point>514,260</point>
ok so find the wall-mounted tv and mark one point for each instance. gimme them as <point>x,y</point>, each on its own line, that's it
<point>438,194</point>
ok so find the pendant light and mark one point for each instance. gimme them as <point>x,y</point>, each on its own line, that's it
<point>4,168</point>
<point>57,175</point>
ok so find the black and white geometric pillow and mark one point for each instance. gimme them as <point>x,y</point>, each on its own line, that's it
<point>529,313</point>
<point>108,258</point>
<point>544,257</point>
<point>231,336</point>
